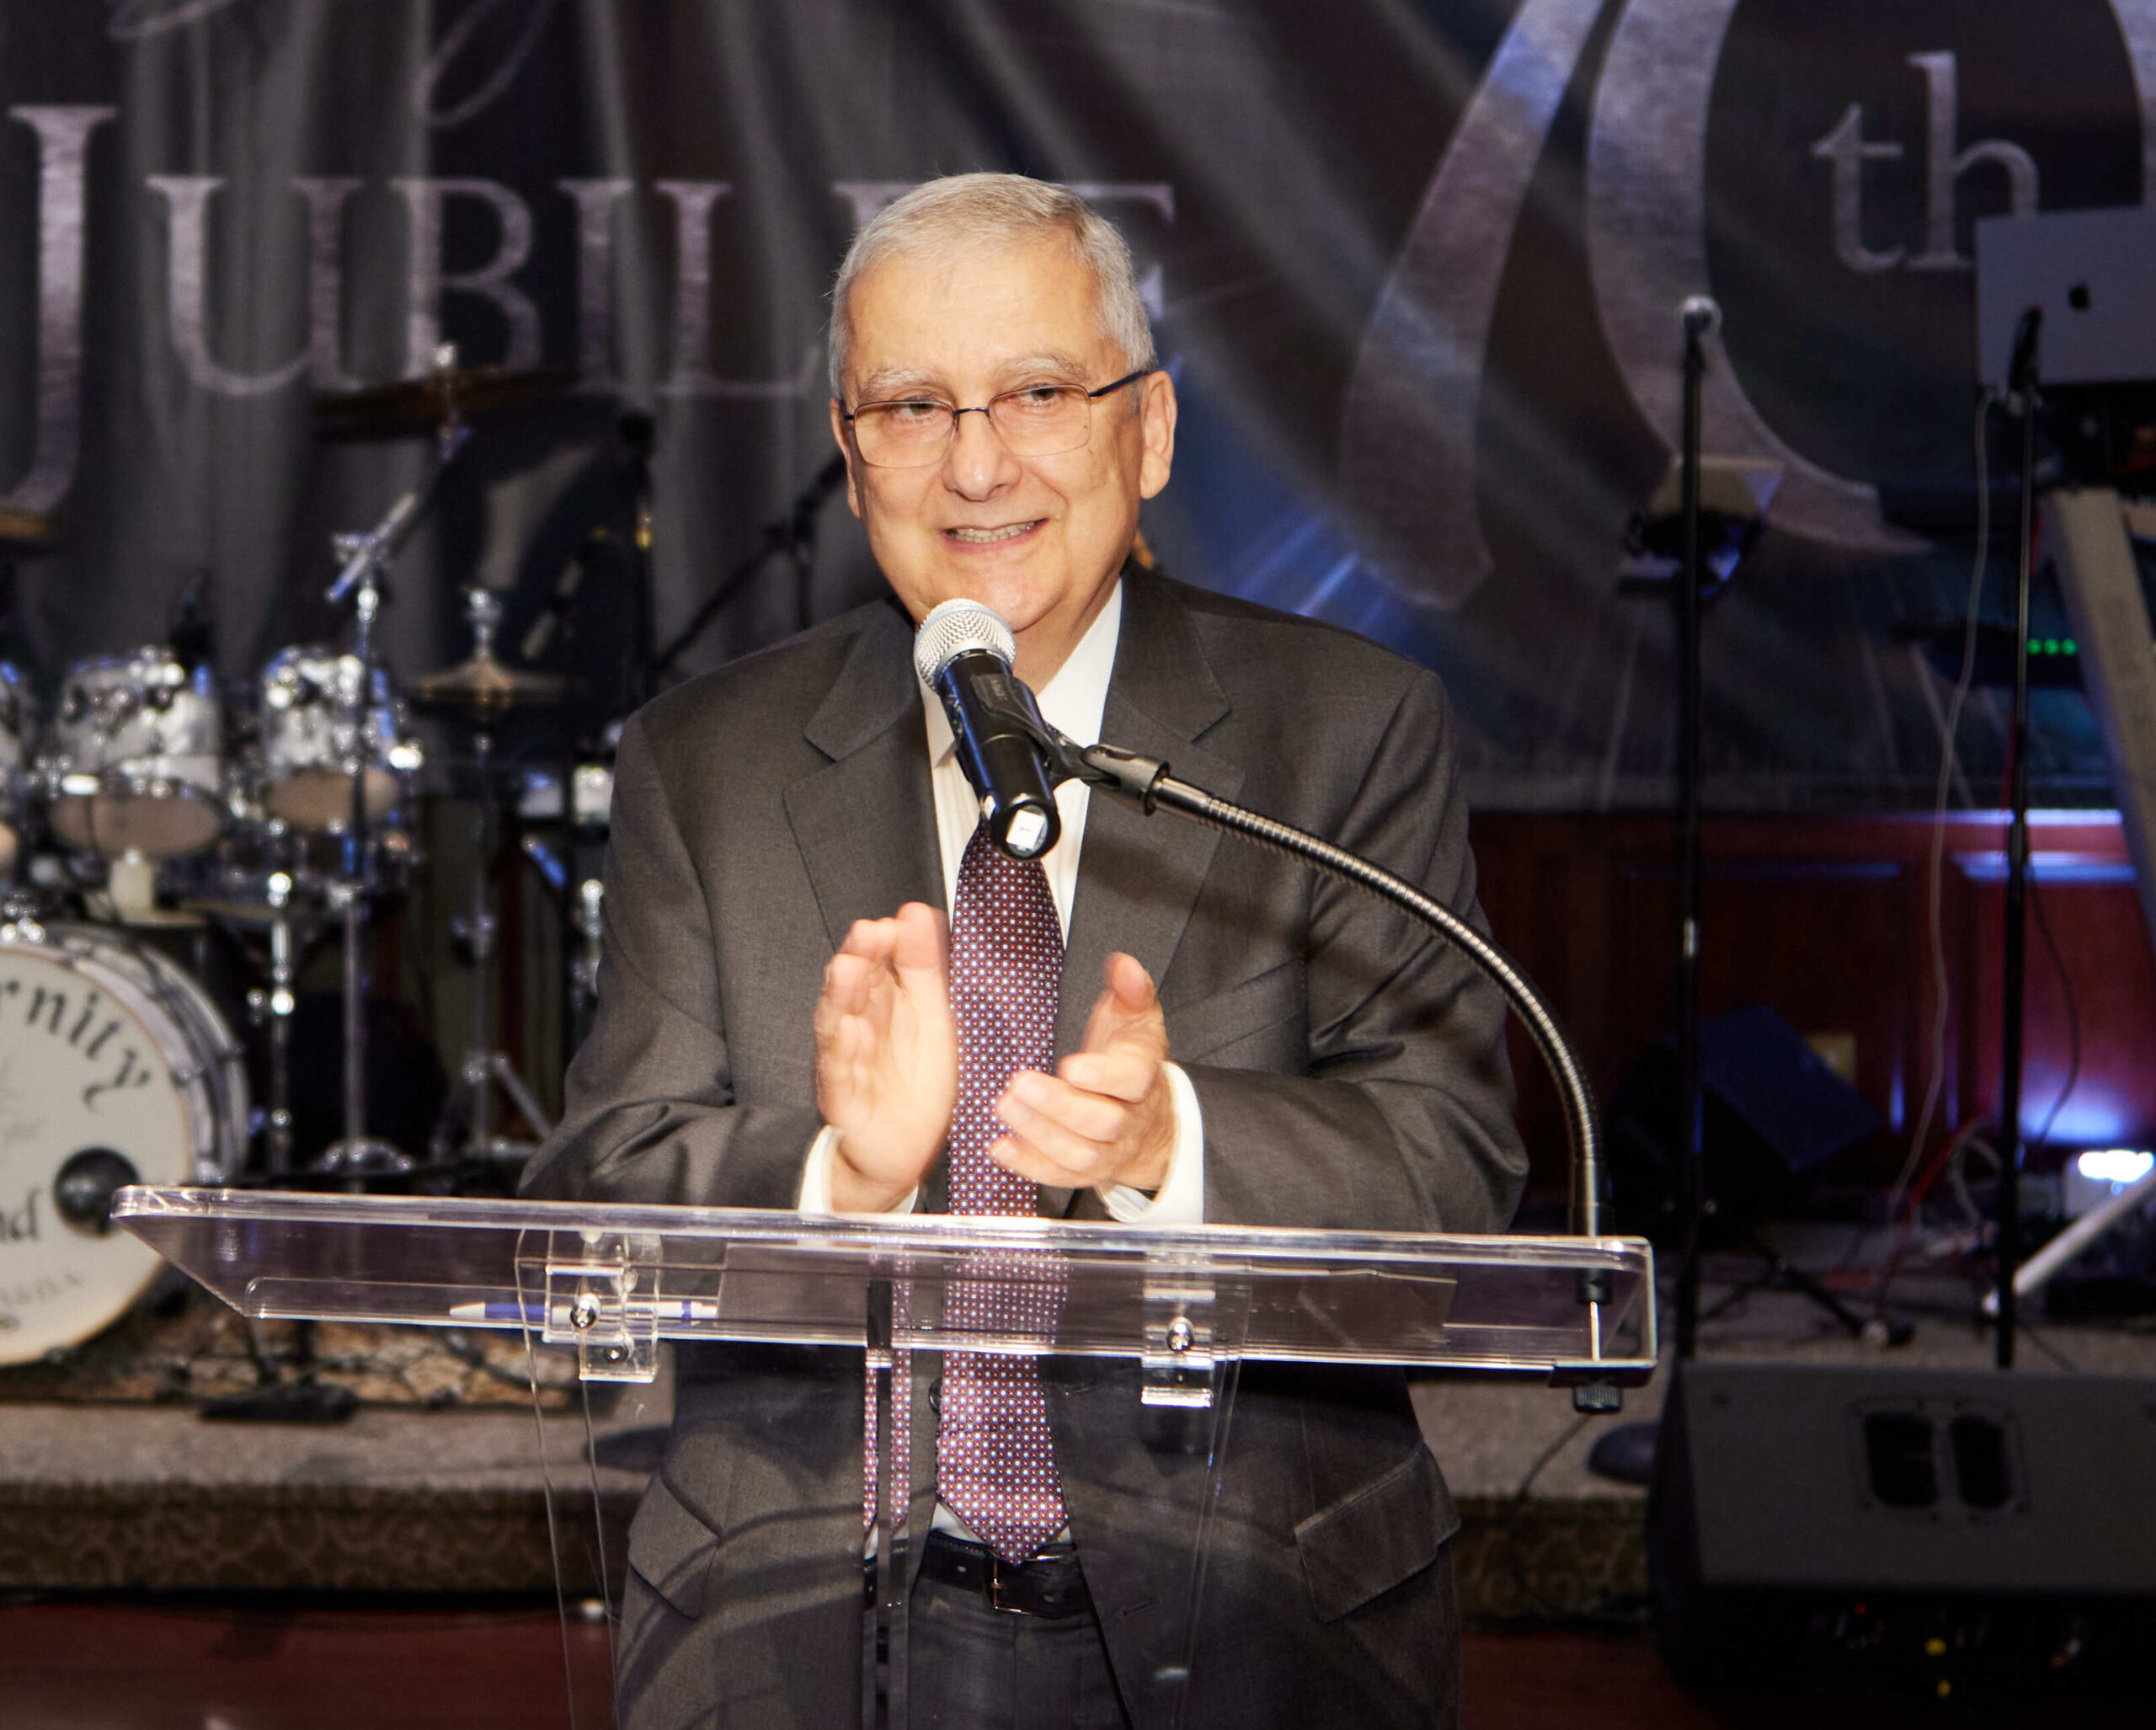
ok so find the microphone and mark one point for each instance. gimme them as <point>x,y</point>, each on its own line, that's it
<point>964,653</point>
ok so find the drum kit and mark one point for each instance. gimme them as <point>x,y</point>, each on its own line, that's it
<point>148,807</point>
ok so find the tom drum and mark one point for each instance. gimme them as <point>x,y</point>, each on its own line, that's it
<point>135,762</point>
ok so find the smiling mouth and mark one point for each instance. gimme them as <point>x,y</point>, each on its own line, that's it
<point>989,537</point>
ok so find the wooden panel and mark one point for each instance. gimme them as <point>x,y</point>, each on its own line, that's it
<point>1823,920</point>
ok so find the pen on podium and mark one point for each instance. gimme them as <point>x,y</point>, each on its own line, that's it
<point>535,1315</point>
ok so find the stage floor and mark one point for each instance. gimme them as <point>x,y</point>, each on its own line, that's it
<point>105,1498</point>
<point>233,1666</point>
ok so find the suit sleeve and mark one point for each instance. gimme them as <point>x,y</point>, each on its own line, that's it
<point>650,1114</point>
<point>1402,1116</point>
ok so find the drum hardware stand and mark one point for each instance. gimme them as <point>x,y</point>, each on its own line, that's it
<point>272,1006</point>
<point>583,971</point>
<point>583,927</point>
<point>472,1089</point>
<point>132,882</point>
<point>366,557</point>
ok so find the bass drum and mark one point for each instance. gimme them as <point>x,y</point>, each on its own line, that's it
<point>114,1067</point>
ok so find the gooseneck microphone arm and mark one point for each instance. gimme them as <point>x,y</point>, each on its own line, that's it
<point>1147,784</point>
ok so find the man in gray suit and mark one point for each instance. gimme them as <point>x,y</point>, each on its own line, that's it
<point>1234,1041</point>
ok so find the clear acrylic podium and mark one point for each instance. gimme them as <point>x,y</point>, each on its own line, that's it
<point>1187,1307</point>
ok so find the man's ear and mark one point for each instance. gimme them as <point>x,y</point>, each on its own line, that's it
<point>1157,428</point>
<point>846,450</point>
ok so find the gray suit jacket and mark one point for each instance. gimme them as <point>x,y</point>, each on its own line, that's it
<point>1351,1072</point>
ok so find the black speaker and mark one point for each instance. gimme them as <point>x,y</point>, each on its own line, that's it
<point>1954,1531</point>
<point>1772,1111</point>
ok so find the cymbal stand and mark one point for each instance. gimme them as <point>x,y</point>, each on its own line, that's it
<point>356,1153</point>
<point>484,1067</point>
<point>366,559</point>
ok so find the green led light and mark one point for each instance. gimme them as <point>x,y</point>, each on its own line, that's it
<point>2051,645</point>
<point>2070,646</point>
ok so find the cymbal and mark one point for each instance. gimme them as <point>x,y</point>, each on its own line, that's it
<point>483,684</point>
<point>408,407</point>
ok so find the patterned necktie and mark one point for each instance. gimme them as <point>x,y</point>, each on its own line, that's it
<point>995,1459</point>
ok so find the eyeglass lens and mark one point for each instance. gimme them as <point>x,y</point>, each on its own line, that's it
<point>1042,420</point>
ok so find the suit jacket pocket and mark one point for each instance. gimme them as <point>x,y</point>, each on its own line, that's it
<point>1198,1029</point>
<point>672,1549</point>
<point>1371,1542</point>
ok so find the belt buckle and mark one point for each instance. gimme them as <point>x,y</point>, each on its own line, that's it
<point>993,1584</point>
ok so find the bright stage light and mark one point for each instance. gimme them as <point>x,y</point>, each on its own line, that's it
<point>2094,1177</point>
<point>2120,1165</point>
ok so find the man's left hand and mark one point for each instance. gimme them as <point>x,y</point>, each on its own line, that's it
<point>1105,1116</point>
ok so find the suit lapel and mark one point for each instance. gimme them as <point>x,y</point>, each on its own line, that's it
<point>865,823</point>
<point>1139,876</point>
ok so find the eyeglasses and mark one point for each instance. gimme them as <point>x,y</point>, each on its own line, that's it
<point>1034,421</point>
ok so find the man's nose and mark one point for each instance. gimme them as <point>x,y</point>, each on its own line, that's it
<point>978,462</point>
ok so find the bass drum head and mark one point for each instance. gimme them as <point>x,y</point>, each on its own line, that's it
<point>108,1053</point>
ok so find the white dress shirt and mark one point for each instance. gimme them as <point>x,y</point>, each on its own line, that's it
<point>1072,702</point>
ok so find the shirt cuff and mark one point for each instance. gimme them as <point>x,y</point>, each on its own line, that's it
<point>1181,1199</point>
<point>816,1177</point>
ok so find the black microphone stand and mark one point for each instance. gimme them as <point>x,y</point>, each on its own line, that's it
<point>2022,386</point>
<point>1700,317</point>
<point>793,535</point>
<point>637,432</point>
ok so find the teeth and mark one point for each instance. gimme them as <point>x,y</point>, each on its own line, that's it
<point>982,537</point>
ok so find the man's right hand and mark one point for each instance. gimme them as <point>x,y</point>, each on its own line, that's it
<point>887,1057</point>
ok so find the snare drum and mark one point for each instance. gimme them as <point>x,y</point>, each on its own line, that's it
<point>136,763</point>
<point>311,734</point>
<point>113,1067</point>
<point>14,765</point>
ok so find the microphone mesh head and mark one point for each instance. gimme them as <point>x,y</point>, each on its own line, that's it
<point>953,629</point>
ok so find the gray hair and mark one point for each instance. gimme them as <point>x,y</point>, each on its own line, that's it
<point>988,211</point>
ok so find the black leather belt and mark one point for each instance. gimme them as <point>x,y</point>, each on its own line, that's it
<point>1050,1585</point>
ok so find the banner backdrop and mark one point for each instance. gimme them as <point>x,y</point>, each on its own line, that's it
<point>1415,265</point>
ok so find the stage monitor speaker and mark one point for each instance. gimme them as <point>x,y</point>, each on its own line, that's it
<point>1963,1532</point>
<point>1773,1111</point>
